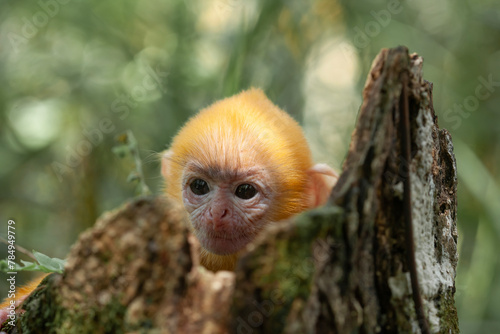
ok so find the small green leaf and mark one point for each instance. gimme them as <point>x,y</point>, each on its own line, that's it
<point>45,264</point>
<point>129,147</point>
<point>28,266</point>
<point>4,267</point>
<point>121,150</point>
<point>132,177</point>
<point>52,264</point>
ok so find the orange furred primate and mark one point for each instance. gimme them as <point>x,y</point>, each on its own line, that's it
<point>238,165</point>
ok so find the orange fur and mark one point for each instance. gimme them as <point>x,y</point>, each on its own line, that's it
<point>21,294</point>
<point>243,131</point>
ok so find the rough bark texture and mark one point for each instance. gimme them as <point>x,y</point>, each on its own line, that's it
<point>338,269</point>
<point>360,280</point>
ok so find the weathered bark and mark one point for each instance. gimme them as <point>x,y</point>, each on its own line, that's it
<point>360,281</point>
<point>342,268</point>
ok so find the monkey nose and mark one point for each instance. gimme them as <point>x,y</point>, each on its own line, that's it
<point>219,217</point>
<point>218,213</point>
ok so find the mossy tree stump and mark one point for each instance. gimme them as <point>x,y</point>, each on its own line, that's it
<point>343,268</point>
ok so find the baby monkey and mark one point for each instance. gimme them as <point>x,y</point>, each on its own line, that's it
<point>235,167</point>
<point>238,165</point>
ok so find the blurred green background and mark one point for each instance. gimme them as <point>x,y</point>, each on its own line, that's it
<point>75,74</point>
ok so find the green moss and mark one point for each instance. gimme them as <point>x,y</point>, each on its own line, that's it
<point>6,327</point>
<point>41,308</point>
<point>448,313</point>
<point>285,280</point>
<point>320,222</point>
<point>45,314</point>
<point>106,319</point>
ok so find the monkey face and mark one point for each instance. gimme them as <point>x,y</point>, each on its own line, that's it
<point>236,166</point>
<point>226,208</point>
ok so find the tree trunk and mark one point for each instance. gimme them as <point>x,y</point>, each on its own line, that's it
<point>380,257</point>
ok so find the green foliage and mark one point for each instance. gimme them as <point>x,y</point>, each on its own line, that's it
<point>130,147</point>
<point>45,264</point>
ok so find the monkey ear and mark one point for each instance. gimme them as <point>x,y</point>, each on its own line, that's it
<point>322,178</point>
<point>165,163</point>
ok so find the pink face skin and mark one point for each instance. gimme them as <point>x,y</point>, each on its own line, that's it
<point>226,208</point>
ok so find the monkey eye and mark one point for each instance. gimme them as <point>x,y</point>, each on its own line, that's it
<point>199,187</point>
<point>245,191</point>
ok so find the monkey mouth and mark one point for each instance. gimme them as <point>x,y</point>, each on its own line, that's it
<point>224,244</point>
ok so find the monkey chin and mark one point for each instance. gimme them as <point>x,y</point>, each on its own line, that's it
<point>224,244</point>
